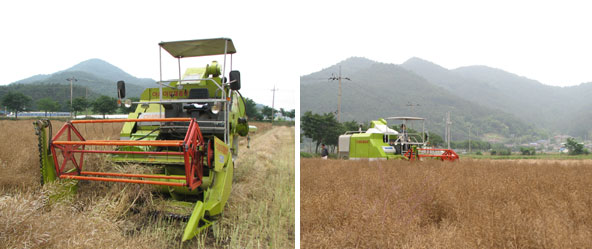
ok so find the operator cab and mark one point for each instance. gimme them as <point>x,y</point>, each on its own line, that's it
<point>409,133</point>
<point>201,93</point>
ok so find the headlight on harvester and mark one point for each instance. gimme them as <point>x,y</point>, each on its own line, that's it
<point>128,103</point>
<point>216,107</point>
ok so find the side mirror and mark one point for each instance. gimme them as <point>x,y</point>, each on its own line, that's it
<point>235,80</point>
<point>121,89</point>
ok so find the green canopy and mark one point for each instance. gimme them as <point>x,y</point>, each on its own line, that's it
<point>180,49</point>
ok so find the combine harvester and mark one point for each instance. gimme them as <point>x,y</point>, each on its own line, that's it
<point>185,132</point>
<point>382,142</point>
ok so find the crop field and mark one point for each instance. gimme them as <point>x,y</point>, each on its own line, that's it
<point>259,213</point>
<point>432,204</point>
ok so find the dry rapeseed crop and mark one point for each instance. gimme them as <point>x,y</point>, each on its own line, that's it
<point>467,204</point>
<point>260,211</point>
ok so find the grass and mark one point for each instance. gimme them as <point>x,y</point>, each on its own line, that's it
<point>259,214</point>
<point>432,204</point>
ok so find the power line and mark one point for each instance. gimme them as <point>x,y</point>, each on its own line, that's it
<point>333,77</point>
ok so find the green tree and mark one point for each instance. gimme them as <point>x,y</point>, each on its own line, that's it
<point>79,104</point>
<point>526,151</point>
<point>435,139</point>
<point>48,105</point>
<point>291,114</point>
<point>575,148</point>
<point>321,128</point>
<point>352,126</point>
<point>251,109</point>
<point>16,101</point>
<point>283,112</point>
<point>267,112</point>
<point>104,105</point>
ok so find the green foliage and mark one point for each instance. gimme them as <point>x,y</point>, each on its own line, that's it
<point>79,104</point>
<point>475,145</point>
<point>321,128</point>
<point>435,139</point>
<point>48,105</point>
<point>105,105</point>
<point>58,93</point>
<point>251,110</point>
<point>93,74</point>
<point>305,154</point>
<point>291,114</point>
<point>266,111</point>
<point>501,152</point>
<point>527,151</point>
<point>575,148</point>
<point>16,101</point>
<point>353,126</point>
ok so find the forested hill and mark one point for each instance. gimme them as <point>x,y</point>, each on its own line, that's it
<point>57,92</point>
<point>561,109</point>
<point>379,90</point>
<point>97,75</point>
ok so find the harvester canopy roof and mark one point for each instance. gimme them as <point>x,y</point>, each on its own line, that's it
<point>382,129</point>
<point>193,48</point>
<point>405,118</point>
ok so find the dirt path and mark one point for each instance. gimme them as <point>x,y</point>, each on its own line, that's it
<point>261,207</point>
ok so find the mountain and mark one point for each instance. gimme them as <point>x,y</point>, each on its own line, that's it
<point>379,90</point>
<point>34,78</point>
<point>107,71</point>
<point>560,109</point>
<point>350,65</point>
<point>96,76</point>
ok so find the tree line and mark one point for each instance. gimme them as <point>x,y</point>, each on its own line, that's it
<point>18,102</point>
<point>265,112</point>
<point>325,129</point>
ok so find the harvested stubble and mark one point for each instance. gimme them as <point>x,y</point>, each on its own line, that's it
<point>260,211</point>
<point>467,204</point>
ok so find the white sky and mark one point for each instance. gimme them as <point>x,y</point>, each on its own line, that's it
<point>277,41</point>
<point>42,37</point>
<point>548,42</point>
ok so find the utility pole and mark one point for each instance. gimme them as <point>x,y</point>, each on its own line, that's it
<point>470,125</point>
<point>448,123</point>
<point>339,93</point>
<point>71,91</point>
<point>273,102</point>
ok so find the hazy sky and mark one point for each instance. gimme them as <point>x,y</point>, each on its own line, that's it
<point>277,41</point>
<point>42,37</point>
<point>548,42</point>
